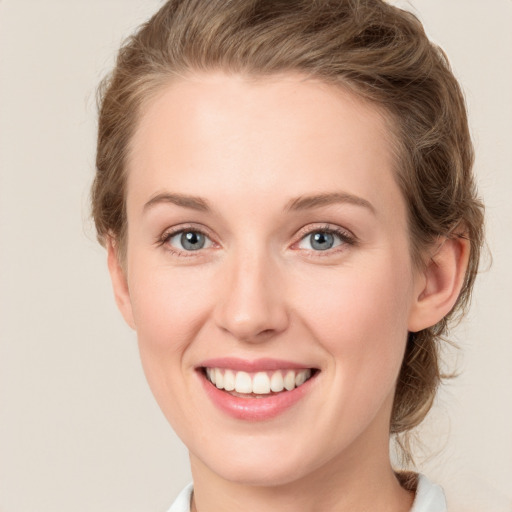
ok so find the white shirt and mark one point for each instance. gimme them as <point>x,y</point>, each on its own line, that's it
<point>429,498</point>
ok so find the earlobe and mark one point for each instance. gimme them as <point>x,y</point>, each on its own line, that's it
<point>440,283</point>
<point>119,283</point>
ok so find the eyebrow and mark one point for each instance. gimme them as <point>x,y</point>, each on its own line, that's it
<point>318,200</point>
<point>296,204</point>
<point>185,201</point>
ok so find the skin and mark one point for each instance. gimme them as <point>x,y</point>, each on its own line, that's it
<point>258,288</point>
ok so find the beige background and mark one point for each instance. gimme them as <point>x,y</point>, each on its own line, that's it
<point>79,429</point>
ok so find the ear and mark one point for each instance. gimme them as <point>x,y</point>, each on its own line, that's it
<point>439,284</point>
<point>119,283</point>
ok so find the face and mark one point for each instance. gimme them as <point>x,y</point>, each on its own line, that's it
<point>268,273</point>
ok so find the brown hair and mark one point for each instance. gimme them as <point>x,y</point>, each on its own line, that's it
<point>377,51</point>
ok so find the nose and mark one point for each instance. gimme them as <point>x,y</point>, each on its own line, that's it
<point>252,301</point>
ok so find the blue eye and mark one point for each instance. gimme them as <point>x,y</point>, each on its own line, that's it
<point>323,240</point>
<point>188,240</point>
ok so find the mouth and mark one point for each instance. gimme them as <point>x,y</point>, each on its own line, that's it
<point>256,390</point>
<point>260,384</point>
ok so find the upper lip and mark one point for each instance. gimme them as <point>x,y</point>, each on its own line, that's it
<point>251,366</point>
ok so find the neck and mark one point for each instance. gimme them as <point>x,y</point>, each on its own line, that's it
<point>356,484</point>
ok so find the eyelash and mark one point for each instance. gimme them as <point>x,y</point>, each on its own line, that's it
<point>167,235</point>
<point>345,237</point>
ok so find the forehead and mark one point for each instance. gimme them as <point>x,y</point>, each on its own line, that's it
<point>229,133</point>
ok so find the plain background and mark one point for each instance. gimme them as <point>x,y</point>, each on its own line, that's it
<point>79,429</point>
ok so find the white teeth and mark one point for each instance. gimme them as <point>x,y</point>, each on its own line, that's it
<point>219,379</point>
<point>243,383</point>
<point>260,383</point>
<point>302,377</point>
<point>229,380</point>
<point>276,382</point>
<point>289,380</point>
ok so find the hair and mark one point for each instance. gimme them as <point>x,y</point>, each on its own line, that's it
<point>378,52</point>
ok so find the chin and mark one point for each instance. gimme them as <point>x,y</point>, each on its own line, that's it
<point>260,474</point>
<point>255,464</point>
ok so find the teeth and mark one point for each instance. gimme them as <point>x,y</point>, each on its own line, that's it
<point>243,383</point>
<point>300,378</point>
<point>260,383</point>
<point>219,379</point>
<point>277,382</point>
<point>229,380</point>
<point>289,380</point>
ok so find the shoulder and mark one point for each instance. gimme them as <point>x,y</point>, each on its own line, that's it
<point>429,497</point>
<point>182,502</point>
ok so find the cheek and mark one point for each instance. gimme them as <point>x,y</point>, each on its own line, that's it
<point>360,318</point>
<point>361,323</point>
<point>169,306</point>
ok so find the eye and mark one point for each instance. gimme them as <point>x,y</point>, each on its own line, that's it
<point>324,239</point>
<point>187,240</point>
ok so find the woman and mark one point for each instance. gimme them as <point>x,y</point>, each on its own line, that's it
<point>285,193</point>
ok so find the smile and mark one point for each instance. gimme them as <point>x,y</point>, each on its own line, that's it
<point>256,390</point>
<point>258,384</point>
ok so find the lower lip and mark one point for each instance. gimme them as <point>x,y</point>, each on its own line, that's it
<point>255,409</point>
